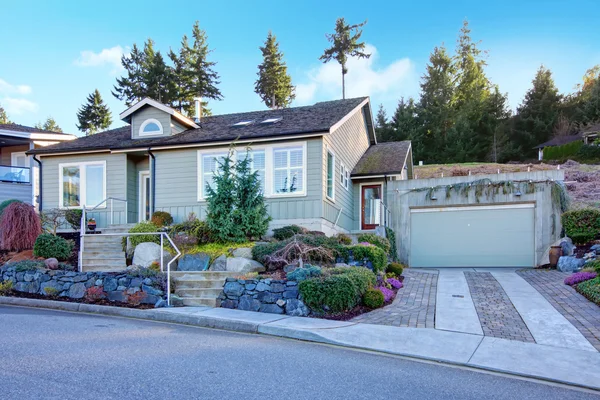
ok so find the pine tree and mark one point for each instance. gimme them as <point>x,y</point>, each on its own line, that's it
<point>537,115</point>
<point>94,116</point>
<point>274,84</point>
<point>405,121</point>
<point>4,116</point>
<point>383,130</point>
<point>49,125</point>
<point>131,88</point>
<point>250,212</point>
<point>345,43</point>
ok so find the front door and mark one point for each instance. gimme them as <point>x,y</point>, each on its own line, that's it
<point>144,193</point>
<point>370,206</point>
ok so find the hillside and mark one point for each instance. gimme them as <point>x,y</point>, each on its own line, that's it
<point>582,180</point>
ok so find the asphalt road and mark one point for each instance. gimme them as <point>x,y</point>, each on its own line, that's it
<point>59,355</point>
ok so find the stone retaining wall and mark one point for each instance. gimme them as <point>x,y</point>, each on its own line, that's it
<point>263,295</point>
<point>74,284</point>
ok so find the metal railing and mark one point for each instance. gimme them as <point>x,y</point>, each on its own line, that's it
<point>14,174</point>
<point>162,249</point>
<point>385,216</point>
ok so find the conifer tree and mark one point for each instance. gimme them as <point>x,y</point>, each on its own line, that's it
<point>383,130</point>
<point>94,116</point>
<point>49,125</point>
<point>4,116</point>
<point>345,43</point>
<point>274,84</point>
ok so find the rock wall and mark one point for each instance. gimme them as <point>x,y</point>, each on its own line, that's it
<point>263,295</point>
<point>74,284</point>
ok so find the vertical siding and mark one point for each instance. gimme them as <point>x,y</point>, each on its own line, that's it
<point>116,183</point>
<point>145,113</point>
<point>177,186</point>
<point>349,142</point>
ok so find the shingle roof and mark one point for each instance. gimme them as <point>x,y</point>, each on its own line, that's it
<point>26,129</point>
<point>319,117</point>
<point>559,141</point>
<point>591,129</point>
<point>383,159</point>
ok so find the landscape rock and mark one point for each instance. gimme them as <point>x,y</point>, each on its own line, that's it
<point>570,264</point>
<point>110,284</point>
<point>220,264</point>
<point>271,309</point>
<point>77,291</point>
<point>160,303</point>
<point>568,249</point>
<point>233,289</point>
<point>152,290</point>
<point>51,263</point>
<point>244,252</point>
<point>116,296</point>
<point>55,285</point>
<point>176,301</point>
<point>247,303</point>
<point>147,253</point>
<point>244,265</point>
<point>296,308</point>
<point>289,268</point>
<point>194,262</point>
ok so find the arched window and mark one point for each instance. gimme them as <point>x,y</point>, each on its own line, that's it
<point>151,127</point>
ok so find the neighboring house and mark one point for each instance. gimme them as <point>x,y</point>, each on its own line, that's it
<point>320,166</point>
<point>19,171</point>
<point>586,135</point>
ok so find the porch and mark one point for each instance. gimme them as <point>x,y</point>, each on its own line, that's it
<point>16,176</point>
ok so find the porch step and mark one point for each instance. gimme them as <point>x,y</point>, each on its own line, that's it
<point>122,228</point>
<point>104,262</point>
<point>103,268</point>
<point>103,253</point>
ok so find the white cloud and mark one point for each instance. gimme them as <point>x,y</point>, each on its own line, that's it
<point>15,106</point>
<point>6,88</point>
<point>111,57</point>
<point>364,78</point>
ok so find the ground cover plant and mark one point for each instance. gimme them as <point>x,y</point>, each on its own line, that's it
<point>590,289</point>
<point>579,277</point>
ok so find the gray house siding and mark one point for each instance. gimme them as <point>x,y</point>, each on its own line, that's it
<point>177,186</point>
<point>132,211</point>
<point>348,143</point>
<point>18,191</point>
<point>146,113</point>
<point>116,183</point>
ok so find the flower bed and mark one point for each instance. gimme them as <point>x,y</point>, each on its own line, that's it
<point>579,277</point>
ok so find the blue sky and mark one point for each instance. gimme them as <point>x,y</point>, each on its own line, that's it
<point>53,54</point>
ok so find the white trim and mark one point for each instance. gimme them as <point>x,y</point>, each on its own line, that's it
<point>142,194</point>
<point>162,107</point>
<point>69,153</point>
<point>200,169</point>
<point>15,154</point>
<point>473,208</point>
<point>360,186</point>
<point>348,116</point>
<point>333,175</point>
<point>268,149</point>
<point>376,176</point>
<point>39,136</point>
<point>345,176</point>
<point>82,183</point>
<point>148,122</point>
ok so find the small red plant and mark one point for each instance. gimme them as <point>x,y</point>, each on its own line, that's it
<point>19,227</point>
<point>95,293</point>
<point>135,299</point>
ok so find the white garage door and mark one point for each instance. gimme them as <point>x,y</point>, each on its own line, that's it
<point>481,236</point>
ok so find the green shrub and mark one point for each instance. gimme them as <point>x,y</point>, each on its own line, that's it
<point>6,288</point>
<point>589,153</point>
<point>195,228</point>
<point>161,218</point>
<point>373,298</point>
<point>581,225</point>
<point>395,268</point>
<point>372,253</point>
<point>50,246</point>
<point>28,265</point>
<point>6,203</point>
<point>215,250</point>
<point>302,274</point>
<point>391,235</point>
<point>362,277</point>
<point>563,152</point>
<point>73,218</point>
<point>260,252</point>
<point>337,293</point>
<point>143,227</point>
<point>590,289</point>
<point>287,232</point>
<point>595,265</point>
<point>343,239</point>
<point>376,240</point>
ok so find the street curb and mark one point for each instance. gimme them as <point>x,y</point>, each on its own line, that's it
<point>248,327</point>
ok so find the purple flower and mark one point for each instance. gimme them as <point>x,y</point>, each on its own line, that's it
<point>396,284</point>
<point>579,277</point>
<point>387,293</point>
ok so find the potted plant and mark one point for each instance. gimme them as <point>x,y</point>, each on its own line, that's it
<point>91,224</point>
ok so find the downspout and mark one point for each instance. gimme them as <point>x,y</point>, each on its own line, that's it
<point>152,181</point>
<point>39,181</point>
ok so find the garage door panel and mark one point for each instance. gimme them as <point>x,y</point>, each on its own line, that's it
<point>486,237</point>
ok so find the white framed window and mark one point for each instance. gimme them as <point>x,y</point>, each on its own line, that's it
<point>151,127</point>
<point>344,176</point>
<point>81,184</point>
<point>330,191</point>
<point>281,168</point>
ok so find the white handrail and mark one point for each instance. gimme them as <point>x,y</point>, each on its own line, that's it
<point>162,236</point>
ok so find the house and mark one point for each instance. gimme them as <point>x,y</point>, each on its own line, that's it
<point>320,166</point>
<point>586,135</point>
<point>19,171</point>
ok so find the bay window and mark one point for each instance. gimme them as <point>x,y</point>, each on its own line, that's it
<point>82,184</point>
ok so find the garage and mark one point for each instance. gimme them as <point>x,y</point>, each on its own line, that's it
<point>473,236</point>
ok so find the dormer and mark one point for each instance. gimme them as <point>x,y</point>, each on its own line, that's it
<point>150,119</point>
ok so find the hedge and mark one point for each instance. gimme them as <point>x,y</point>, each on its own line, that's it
<point>372,253</point>
<point>582,226</point>
<point>562,152</point>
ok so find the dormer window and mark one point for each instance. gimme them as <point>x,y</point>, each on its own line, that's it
<point>151,127</point>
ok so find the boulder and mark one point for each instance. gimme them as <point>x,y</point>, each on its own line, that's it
<point>110,284</point>
<point>220,264</point>
<point>55,285</point>
<point>244,265</point>
<point>152,290</point>
<point>296,308</point>
<point>160,303</point>
<point>194,262</point>
<point>176,301</point>
<point>247,303</point>
<point>116,296</point>
<point>51,263</point>
<point>271,309</point>
<point>568,249</point>
<point>77,291</point>
<point>147,253</point>
<point>244,252</point>
<point>570,264</point>
<point>233,289</point>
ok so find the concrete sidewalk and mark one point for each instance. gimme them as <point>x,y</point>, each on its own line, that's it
<point>557,364</point>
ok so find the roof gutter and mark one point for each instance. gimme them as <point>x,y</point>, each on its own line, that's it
<point>152,181</point>
<point>39,182</point>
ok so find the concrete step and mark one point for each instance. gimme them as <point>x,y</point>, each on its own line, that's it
<point>206,284</point>
<point>189,292</point>
<point>203,275</point>
<point>108,263</point>
<point>103,255</point>
<point>102,249</point>
<point>200,301</point>
<point>87,268</point>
